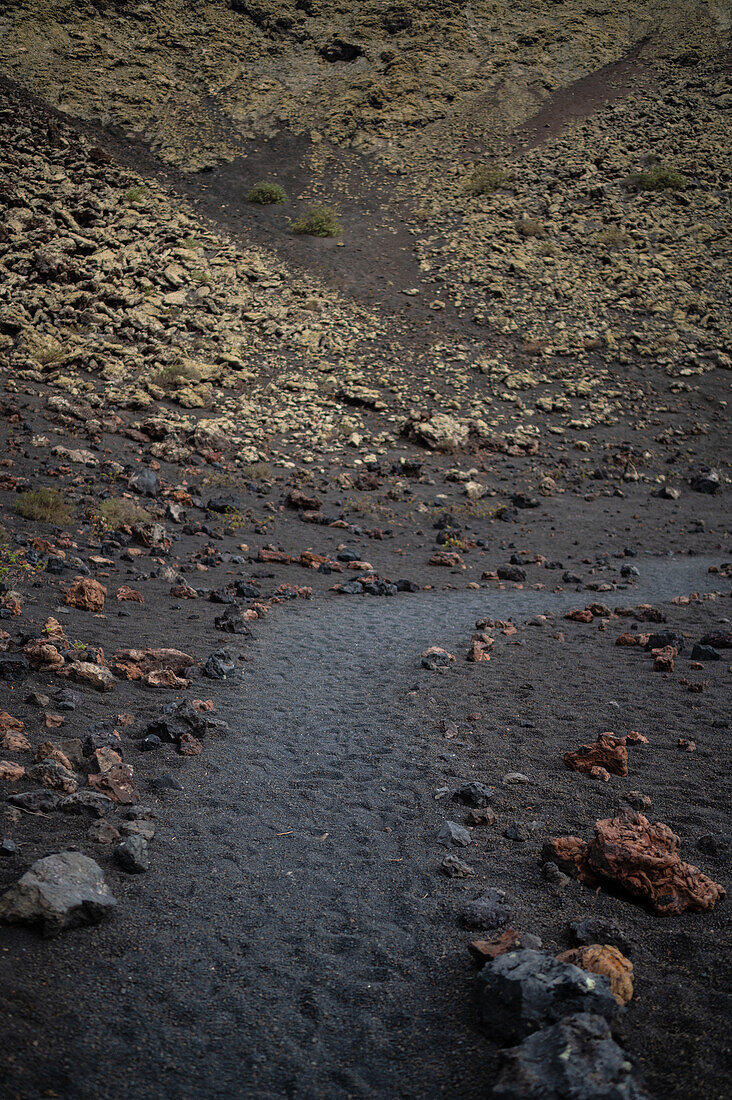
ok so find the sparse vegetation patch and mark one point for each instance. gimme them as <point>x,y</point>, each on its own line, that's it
<point>267,194</point>
<point>319,221</point>
<point>44,506</point>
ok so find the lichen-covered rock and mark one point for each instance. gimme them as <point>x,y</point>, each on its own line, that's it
<point>575,1058</point>
<point>58,892</point>
<point>524,990</point>
<point>441,432</point>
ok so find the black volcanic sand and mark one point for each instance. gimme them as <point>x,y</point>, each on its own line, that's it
<point>294,936</point>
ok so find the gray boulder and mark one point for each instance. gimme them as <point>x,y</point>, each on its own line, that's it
<point>575,1059</point>
<point>58,892</point>
<point>522,991</point>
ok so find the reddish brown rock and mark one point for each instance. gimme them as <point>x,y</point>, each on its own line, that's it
<point>103,760</point>
<point>663,659</point>
<point>604,959</point>
<point>96,676</point>
<point>12,741</point>
<point>53,631</point>
<point>124,592</point>
<point>274,556</point>
<point>607,752</point>
<point>86,594</point>
<point>570,855</point>
<point>43,656</point>
<point>7,722</point>
<point>49,751</point>
<point>627,639</point>
<point>183,592</point>
<point>117,784</point>
<point>447,558</point>
<point>136,664</point>
<point>164,678</point>
<point>480,647</point>
<point>635,738</point>
<point>579,615</point>
<point>188,745</point>
<point>640,858</point>
<point>485,950</point>
<point>11,772</point>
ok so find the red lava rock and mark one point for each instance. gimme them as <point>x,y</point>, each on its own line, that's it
<point>274,556</point>
<point>447,558</point>
<point>480,647</point>
<point>86,594</point>
<point>165,678</point>
<point>607,753</point>
<point>646,613</point>
<point>188,745</point>
<point>11,772</point>
<point>627,639</point>
<point>202,705</point>
<point>686,745</point>
<point>635,738</point>
<point>84,672</point>
<point>483,950</point>
<point>579,615</point>
<point>295,591</point>
<point>103,760</point>
<point>599,773</point>
<point>183,592</point>
<point>570,855</point>
<point>117,784</point>
<point>12,741</point>
<point>136,664</point>
<point>7,722</point>
<point>49,751</point>
<point>124,592</point>
<point>642,859</point>
<point>11,605</point>
<point>43,656</point>
<point>663,659</point>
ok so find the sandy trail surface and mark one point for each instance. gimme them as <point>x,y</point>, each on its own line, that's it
<point>293,938</point>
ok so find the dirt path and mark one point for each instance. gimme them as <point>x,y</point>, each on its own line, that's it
<point>293,937</point>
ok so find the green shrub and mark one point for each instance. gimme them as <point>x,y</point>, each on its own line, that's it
<point>118,512</point>
<point>136,194</point>
<point>267,194</point>
<point>485,180</point>
<point>319,221</point>
<point>530,227</point>
<point>44,506</point>
<point>175,374</point>
<point>659,179</point>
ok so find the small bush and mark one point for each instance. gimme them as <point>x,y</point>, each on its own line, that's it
<point>319,221</point>
<point>267,194</point>
<point>177,373</point>
<point>118,512</point>
<point>136,194</point>
<point>485,180</point>
<point>44,506</point>
<point>530,227</point>
<point>659,179</point>
<point>613,238</point>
